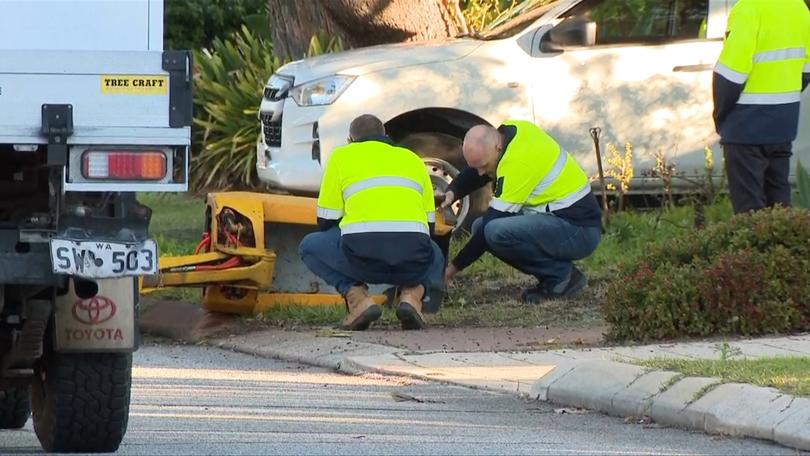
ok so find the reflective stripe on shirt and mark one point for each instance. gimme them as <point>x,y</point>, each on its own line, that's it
<point>373,182</point>
<point>384,227</point>
<point>769,98</point>
<point>733,76</point>
<point>504,206</point>
<point>779,54</point>
<point>552,175</point>
<point>329,214</point>
<point>561,203</point>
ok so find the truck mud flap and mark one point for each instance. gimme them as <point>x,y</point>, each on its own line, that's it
<point>104,322</point>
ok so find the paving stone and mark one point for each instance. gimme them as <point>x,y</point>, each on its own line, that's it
<point>541,358</point>
<point>539,389</point>
<point>670,407</point>
<point>795,347</point>
<point>593,384</point>
<point>743,410</point>
<point>636,399</point>
<point>794,430</point>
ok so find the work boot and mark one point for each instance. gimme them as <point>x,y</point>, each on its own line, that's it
<point>361,309</point>
<point>409,310</point>
<point>576,282</point>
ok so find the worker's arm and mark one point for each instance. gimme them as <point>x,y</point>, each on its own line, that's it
<point>735,62</point>
<point>512,190</point>
<point>428,203</point>
<point>477,245</point>
<point>467,181</point>
<point>330,197</point>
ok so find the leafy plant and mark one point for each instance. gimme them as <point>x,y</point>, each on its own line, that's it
<point>229,81</point>
<point>750,275</point>
<point>324,44</point>
<point>480,13</point>
<point>620,168</point>
<point>664,170</point>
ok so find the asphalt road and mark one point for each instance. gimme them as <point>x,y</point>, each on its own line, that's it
<point>189,400</point>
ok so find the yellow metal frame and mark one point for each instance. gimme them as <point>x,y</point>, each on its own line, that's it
<point>245,288</point>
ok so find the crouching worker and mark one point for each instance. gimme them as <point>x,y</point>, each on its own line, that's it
<point>543,214</point>
<point>376,216</point>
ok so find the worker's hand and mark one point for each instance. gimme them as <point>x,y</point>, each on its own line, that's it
<point>449,273</point>
<point>446,199</point>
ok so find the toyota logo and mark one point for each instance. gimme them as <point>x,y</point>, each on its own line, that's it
<point>95,310</point>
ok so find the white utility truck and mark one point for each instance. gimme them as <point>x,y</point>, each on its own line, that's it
<point>641,70</point>
<point>92,110</point>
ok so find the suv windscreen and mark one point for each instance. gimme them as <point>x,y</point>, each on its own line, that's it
<point>644,21</point>
<point>516,19</point>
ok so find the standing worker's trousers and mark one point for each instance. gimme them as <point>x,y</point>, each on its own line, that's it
<point>757,175</point>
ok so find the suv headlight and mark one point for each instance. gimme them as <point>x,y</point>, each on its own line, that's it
<point>321,91</point>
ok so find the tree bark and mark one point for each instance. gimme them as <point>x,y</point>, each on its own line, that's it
<point>357,22</point>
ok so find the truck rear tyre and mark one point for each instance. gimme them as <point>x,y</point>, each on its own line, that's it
<point>81,401</point>
<point>446,148</point>
<point>15,405</point>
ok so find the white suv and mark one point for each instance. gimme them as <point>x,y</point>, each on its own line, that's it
<point>640,70</point>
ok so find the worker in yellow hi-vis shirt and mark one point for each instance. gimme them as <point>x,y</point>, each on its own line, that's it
<point>376,213</point>
<point>758,81</point>
<point>544,214</point>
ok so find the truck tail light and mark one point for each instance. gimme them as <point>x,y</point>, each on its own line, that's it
<point>124,165</point>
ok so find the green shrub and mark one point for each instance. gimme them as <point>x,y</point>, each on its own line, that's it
<point>228,84</point>
<point>194,24</point>
<point>748,276</point>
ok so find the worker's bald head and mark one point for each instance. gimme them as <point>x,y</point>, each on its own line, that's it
<point>482,147</point>
<point>366,126</point>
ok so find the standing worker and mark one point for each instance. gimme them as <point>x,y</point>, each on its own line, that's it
<point>543,214</point>
<point>376,213</point>
<point>758,80</point>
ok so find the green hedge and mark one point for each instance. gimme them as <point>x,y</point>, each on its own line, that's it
<point>747,276</point>
<point>194,24</point>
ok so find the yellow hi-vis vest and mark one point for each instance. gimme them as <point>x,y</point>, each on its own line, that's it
<point>536,175</point>
<point>767,48</point>
<point>375,187</point>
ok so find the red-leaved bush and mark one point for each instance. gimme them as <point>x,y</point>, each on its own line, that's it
<point>747,276</point>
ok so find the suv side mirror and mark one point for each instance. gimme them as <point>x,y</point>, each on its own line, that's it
<point>572,32</point>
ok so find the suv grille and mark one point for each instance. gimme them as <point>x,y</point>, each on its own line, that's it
<point>271,93</point>
<point>271,130</point>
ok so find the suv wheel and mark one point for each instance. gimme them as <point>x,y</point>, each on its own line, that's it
<point>443,158</point>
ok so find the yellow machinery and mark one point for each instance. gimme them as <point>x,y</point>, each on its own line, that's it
<point>248,258</point>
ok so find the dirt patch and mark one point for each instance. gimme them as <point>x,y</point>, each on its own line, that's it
<point>484,339</point>
<point>184,321</point>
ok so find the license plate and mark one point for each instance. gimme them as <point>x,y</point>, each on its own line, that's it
<point>102,260</point>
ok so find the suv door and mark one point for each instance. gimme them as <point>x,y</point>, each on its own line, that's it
<point>644,79</point>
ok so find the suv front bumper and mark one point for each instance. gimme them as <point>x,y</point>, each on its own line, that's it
<point>295,172</point>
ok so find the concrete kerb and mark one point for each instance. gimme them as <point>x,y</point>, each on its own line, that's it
<point>610,387</point>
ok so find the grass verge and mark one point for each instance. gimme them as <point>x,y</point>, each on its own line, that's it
<point>176,225</point>
<point>790,375</point>
<point>486,294</point>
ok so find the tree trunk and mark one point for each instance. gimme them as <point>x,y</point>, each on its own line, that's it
<point>357,22</point>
